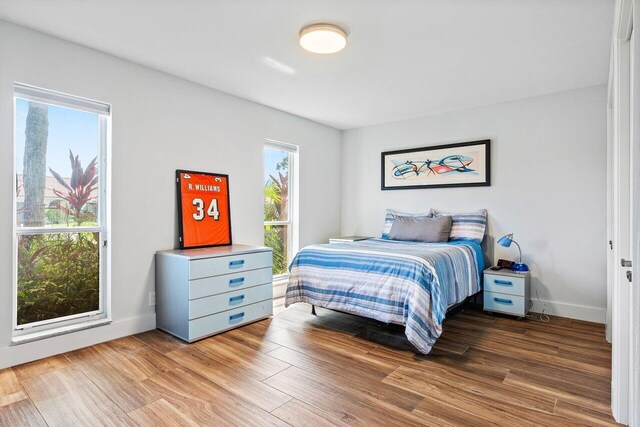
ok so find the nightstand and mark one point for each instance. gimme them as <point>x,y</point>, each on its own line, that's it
<point>507,292</point>
<point>348,239</point>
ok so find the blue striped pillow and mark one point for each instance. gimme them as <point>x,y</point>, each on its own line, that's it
<point>391,216</point>
<point>466,226</point>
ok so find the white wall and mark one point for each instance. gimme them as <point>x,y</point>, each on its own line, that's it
<point>548,186</point>
<point>160,123</point>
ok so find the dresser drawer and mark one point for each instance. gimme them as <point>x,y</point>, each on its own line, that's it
<point>510,304</point>
<point>216,266</point>
<point>209,325</point>
<point>230,300</point>
<point>200,288</point>
<point>504,284</point>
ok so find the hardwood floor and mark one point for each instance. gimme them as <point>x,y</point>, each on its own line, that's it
<point>332,369</point>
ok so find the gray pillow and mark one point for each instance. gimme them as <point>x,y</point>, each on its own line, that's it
<point>421,229</point>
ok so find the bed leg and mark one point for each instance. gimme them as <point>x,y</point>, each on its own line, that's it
<point>313,310</point>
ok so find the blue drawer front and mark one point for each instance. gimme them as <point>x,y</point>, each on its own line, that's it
<point>209,267</point>
<point>229,282</point>
<point>504,284</point>
<point>504,303</point>
<point>209,325</point>
<point>216,303</point>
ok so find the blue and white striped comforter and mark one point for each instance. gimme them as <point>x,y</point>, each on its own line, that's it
<point>405,283</point>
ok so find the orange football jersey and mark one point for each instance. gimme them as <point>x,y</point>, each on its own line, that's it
<point>204,205</point>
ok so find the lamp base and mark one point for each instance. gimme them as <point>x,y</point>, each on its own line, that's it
<point>519,267</point>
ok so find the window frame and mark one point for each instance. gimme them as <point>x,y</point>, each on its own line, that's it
<point>60,325</point>
<point>292,205</point>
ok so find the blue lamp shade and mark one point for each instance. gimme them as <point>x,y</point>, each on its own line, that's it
<point>506,241</point>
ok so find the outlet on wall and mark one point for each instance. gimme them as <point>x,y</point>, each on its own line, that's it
<point>152,298</point>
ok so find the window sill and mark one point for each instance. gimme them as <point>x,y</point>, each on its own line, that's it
<point>40,335</point>
<point>281,280</point>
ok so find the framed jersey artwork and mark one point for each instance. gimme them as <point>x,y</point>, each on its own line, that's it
<point>204,213</point>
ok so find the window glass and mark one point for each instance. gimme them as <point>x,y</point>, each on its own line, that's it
<point>56,166</point>
<point>277,206</point>
<point>58,213</point>
<point>276,188</point>
<point>58,275</point>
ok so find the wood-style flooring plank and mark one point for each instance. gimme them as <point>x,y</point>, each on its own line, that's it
<point>67,397</point>
<point>353,380</point>
<point>240,357</point>
<point>580,394</point>
<point>83,408</point>
<point>10,388</point>
<point>352,406</point>
<point>250,340</point>
<point>544,354</point>
<point>299,414</point>
<point>55,383</point>
<point>207,403</point>
<point>161,341</point>
<point>231,378</point>
<point>325,360</point>
<point>584,415</point>
<point>160,413</point>
<point>126,392</point>
<point>39,367</point>
<point>21,413</point>
<point>422,381</point>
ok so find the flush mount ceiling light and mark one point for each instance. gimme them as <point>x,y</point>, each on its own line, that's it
<point>323,38</point>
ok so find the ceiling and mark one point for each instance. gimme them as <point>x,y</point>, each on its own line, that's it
<point>405,58</point>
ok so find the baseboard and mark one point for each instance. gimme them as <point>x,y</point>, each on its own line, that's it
<point>572,311</point>
<point>279,290</point>
<point>28,352</point>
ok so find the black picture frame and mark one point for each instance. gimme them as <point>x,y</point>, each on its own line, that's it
<point>487,166</point>
<point>180,218</point>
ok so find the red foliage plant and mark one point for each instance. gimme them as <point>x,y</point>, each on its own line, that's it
<point>80,187</point>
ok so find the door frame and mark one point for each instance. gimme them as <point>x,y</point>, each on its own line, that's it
<point>624,144</point>
<point>634,354</point>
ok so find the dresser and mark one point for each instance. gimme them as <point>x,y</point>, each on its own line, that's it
<point>202,292</point>
<point>507,292</point>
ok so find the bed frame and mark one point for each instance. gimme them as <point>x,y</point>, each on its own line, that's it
<point>451,310</point>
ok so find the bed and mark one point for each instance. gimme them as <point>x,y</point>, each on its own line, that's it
<point>405,283</point>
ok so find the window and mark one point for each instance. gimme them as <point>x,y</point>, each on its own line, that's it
<point>60,221</point>
<point>280,204</point>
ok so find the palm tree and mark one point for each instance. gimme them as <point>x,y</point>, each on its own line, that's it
<point>35,163</point>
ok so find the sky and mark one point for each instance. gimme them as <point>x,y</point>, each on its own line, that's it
<point>68,129</point>
<point>271,159</point>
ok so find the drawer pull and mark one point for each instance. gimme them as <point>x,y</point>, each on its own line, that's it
<point>236,316</point>
<point>236,264</point>
<point>503,282</point>
<point>236,298</point>
<point>236,282</point>
<point>503,301</point>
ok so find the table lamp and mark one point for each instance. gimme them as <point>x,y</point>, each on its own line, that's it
<point>505,241</point>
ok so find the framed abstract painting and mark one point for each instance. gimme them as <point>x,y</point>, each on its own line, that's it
<point>464,164</point>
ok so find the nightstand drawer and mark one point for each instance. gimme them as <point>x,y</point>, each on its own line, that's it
<point>510,304</point>
<point>504,284</point>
